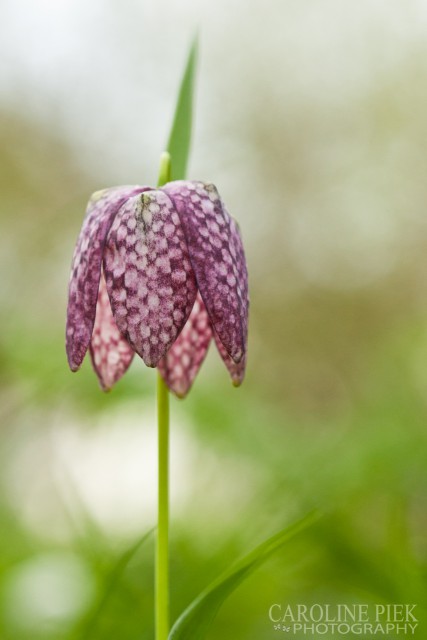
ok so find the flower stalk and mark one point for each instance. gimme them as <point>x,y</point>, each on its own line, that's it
<point>162,542</point>
<point>162,545</point>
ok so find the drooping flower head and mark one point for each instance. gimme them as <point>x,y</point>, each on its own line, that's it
<point>158,272</point>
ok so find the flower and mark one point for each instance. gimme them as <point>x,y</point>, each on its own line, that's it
<point>160,272</point>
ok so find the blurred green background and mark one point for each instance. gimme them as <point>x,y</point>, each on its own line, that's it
<point>311,120</point>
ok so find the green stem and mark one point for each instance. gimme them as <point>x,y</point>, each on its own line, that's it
<point>162,550</point>
<point>165,169</point>
<point>162,546</point>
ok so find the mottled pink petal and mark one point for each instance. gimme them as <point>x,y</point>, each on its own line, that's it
<point>110,353</point>
<point>237,250</point>
<point>218,260</point>
<point>236,370</point>
<point>86,268</point>
<point>182,362</point>
<point>150,280</point>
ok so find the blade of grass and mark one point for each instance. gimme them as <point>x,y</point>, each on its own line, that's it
<point>197,618</point>
<point>110,585</point>
<point>180,135</point>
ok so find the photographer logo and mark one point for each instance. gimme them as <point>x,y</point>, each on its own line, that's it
<point>344,619</point>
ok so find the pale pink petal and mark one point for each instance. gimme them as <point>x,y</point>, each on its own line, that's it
<point>86,268</point>
<point>182,362</point>
<point>218,260</point>
<point>150,280</point>
<point>110,353</point>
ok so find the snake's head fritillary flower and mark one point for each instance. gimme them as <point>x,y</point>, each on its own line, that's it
<point>158,272</point>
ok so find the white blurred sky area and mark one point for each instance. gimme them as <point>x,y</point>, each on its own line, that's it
<point>106,72</point>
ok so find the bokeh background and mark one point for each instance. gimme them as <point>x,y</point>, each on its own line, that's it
<point>311,120</point>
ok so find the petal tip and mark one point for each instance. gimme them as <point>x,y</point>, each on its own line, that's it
<point>75,354</point>
<point>103,385</point>
<point>74,366</point>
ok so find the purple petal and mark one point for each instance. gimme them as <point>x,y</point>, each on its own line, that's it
<point>110,353</point>
<point>182,362</point>
<point>218,260</point>
<point>236,370</point>
<point>86,268</point>
<point>150,280</point>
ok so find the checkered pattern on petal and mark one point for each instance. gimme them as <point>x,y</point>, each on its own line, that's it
<point>150,280</point>
<point>182,362</point>
<point>86,268</point>
<point>236,371</point>
<point>218,260</point>
<point>237,250</point>
<point>111,354</point>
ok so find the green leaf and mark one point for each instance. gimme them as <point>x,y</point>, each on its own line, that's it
<point>180,136</point>
<point>110,585</point>
<point>197,618</point>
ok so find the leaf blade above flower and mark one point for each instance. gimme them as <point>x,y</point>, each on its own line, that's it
<point>180,135</point>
